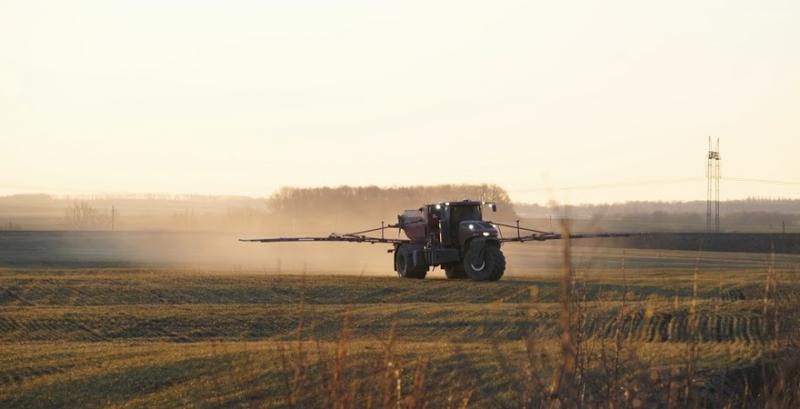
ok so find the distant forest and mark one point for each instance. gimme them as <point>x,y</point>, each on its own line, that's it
<point>346,208</point>
<point>365,206</point>
<point>288,210</point>
<point>785,206</point>
<point>749,215</point>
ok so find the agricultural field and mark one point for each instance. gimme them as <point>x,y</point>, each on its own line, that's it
<point>621,327</point>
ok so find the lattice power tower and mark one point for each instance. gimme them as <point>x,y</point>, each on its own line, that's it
<point>712,199</point>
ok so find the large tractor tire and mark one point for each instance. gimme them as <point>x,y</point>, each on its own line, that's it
<point>455,271</point>
<point>404,265</point>
<point>484,261</point>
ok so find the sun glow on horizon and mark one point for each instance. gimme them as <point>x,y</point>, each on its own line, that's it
<point>242,98</point>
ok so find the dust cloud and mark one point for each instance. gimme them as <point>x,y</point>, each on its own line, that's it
<point>207,250</point>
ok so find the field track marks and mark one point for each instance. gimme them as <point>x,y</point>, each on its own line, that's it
<point>675,327</point>
<point>9,294</point>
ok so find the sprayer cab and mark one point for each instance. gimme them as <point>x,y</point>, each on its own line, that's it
<point>452,235</point>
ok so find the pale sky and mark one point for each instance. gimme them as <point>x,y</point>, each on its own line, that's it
<point>243,97</point>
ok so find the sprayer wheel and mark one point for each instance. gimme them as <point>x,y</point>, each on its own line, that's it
<point>405,267</point>
<point>484,262</point>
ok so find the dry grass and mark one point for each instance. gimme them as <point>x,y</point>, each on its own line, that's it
<point>610,337</point>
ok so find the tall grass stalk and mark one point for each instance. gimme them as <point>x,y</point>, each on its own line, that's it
<point>562,387</point>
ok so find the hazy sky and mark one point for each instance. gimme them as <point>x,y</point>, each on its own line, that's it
<point>242,97</point>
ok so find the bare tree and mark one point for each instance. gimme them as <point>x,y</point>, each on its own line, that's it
<point>81,216</point>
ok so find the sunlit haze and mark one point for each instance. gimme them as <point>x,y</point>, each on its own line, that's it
<point>243,97</point>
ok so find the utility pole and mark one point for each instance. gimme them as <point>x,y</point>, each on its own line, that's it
<point>712,191</point>
<point>716,183</point>
<point>113,217</point>
<point>783,225</point>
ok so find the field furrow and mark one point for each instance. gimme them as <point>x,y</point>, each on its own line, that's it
<point>173,338</point>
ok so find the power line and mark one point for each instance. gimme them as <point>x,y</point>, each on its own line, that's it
<point>609,185</point>
<point>652,183</point>
<point>765,181</point>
